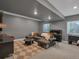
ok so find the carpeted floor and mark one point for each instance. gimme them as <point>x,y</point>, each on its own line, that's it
<point>60,51</point>
<point>22,51</point>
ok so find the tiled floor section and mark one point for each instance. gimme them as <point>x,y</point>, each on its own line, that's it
<point>22,51</point>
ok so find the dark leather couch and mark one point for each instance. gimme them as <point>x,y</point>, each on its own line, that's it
<point>47,40</point>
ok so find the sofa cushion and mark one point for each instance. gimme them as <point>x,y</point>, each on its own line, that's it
<point>35,34</point>
<point>47,35</point>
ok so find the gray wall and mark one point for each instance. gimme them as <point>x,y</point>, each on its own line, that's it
<point>59,25</point>
<point>63,25</point>
<point>19,27</point>
<point>72,18</point>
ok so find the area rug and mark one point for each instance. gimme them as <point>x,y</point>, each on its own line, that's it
<point>22,51</point>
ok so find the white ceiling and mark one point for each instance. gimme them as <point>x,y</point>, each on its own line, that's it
<point>66,6</point>
<point>26,8</point>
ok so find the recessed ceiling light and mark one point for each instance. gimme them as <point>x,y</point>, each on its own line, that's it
<point>35,12</point>
<point>75,7</point>
<point>49,18</point>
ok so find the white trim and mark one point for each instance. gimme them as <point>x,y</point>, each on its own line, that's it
<point>47,4</point>
<point>21,39</point>
<point>18,15</point>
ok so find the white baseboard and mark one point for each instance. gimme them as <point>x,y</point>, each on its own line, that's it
<point>19,39</point>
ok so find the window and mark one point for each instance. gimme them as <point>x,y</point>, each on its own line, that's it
<point>73,27</point>
<point>46,27</point>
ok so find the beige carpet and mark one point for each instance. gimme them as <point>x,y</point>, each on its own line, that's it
<point>60,51</point>
<point>22,51</point>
